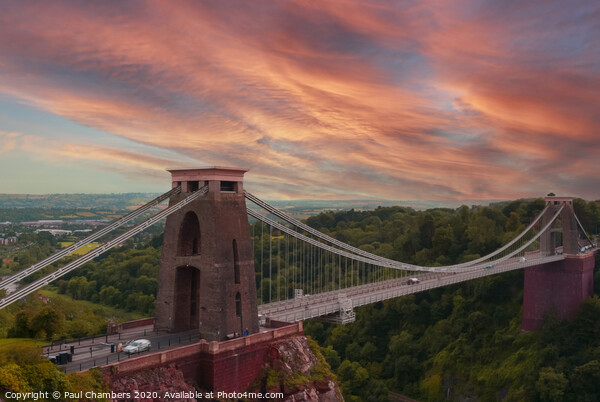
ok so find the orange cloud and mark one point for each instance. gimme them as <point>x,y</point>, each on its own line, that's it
<point>341,99</point>
<point>8,141</point>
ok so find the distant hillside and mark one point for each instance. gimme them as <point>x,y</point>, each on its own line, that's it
<point>85,201</point>
<point>124,200</point>
<point>372,204</point>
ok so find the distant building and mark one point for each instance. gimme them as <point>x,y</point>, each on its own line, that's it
<point>8,240</point>
<point>43,298</point>
<point>54,223</point>
<point>44,223</point>
<point>55,232</point>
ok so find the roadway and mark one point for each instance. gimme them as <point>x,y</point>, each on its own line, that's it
<point>96,351</point>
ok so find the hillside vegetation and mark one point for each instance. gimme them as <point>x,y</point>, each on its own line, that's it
<point>456,343</point>
<point>462,342</point>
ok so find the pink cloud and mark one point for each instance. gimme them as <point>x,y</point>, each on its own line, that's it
<point>323,100</point>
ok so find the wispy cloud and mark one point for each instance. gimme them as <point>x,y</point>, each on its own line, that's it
<point>343,99</point>
<point>8,141</point>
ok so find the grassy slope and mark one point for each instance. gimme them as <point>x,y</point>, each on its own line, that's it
<point>98,309</point>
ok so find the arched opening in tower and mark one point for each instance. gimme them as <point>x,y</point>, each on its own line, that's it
<point>187,298</point>
<point>189,235</point>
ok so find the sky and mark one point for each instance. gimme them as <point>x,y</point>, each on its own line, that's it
<point>396,100</point>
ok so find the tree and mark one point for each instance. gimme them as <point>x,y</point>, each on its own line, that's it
<point>12,379</point>
<point>483,234</point>
<point>551,385</point>
<point>353,352</point>
<point>340,337</point>
<point>21,327</point>
<point>367,352</point>
<point>443,239</point>
<point>78,287</point>
<point>432,387</point>
<point>513,223</point>
<point>332,357</point>
<point>46,237</point>
<point>426,230</point>
<point>47,321</point>
<point>586,322</point>
<point>110,296</point>
<point>585,380</point>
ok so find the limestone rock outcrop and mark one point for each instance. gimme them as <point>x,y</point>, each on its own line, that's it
<point>295,367</point>
<point>162,381</point>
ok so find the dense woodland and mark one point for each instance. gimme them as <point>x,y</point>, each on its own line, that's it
<point>462,342</point>
<point>456,343</point>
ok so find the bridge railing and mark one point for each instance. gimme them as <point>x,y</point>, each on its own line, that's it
<point>122,356</point>
<point>324,304</point>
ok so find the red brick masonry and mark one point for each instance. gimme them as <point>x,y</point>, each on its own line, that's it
<point>558,287</point>
<point>115,328</point>
<point>216,366</point>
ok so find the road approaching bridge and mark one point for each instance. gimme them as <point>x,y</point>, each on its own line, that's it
<point>104,349</point>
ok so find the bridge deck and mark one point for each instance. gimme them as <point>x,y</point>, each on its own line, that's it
<point>323,304</point>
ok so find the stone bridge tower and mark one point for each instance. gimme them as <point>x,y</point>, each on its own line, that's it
<point>567,226</point>
<point>206,276</point>
<point>558,287</point>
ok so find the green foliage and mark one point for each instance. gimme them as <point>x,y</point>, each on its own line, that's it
<point>24,369</point>
<point>463,340</point>
<point>585,381</point>
<point>48,321</point>
<point>86,381</point>
<point>21,328</point>
<point>125,278</point>
<point>12,378</point>
<point>550,385</point>
<point>332,357</point>
<point>322,370</point>
<point>432,388</point>
<point>62,318</point>
<point>273,378</point>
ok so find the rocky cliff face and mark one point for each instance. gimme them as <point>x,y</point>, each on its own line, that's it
<point>295,367</point>
<point>163,380</point>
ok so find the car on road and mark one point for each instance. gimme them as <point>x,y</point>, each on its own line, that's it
<point>137,346</point>
<point>60,358</point>
<point>490,266</point>
<point>412,281</point>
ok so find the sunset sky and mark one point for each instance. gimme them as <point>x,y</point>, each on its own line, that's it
<point>398,100</point>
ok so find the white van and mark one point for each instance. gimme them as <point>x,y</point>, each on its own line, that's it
<point>412,281</point>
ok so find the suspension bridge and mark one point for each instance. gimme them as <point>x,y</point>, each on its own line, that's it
<point>218,277</point>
